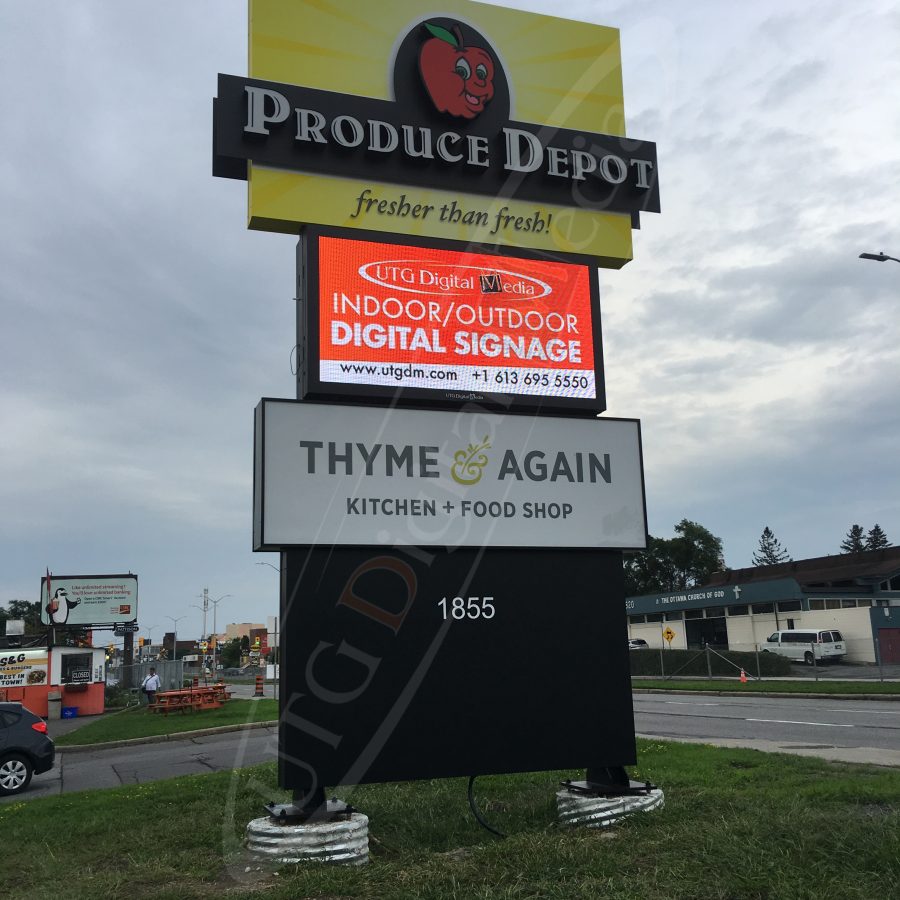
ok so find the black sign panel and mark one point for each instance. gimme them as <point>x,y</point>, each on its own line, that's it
<point>403,665</point>
<point>286,126</point>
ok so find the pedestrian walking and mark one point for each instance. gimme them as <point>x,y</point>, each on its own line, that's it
<point>150,685</point>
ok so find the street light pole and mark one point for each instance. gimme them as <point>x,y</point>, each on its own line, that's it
<point>215,604</point>
<point>878,257</point>
<point>203,634</point>
<point>175,622</point>
<point>150,637</point>
<point>205,608</point>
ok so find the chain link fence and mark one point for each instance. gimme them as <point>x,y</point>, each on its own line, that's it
<point>170,671</point>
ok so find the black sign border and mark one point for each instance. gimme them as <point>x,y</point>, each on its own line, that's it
<point>310,387</point>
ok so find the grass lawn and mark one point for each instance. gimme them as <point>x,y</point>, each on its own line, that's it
<point>757,687</point>
<point>138,722</point>
<point>737,825</point>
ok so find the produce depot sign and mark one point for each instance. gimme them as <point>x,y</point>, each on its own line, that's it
<point>23,668</point>
<point>458,324</point>
<point>370,476</point>
<point>88,599</point>
<point>444,126</point>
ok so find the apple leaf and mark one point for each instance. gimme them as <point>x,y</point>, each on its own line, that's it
<point>442,34</point>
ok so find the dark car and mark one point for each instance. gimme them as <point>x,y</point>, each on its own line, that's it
<point>25,749</point>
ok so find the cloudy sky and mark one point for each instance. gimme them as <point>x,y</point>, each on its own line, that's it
<point>141,321</point>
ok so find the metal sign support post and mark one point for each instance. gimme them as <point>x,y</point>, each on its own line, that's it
<point>127,658</point>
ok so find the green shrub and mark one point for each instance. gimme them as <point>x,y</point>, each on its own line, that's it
<point>693,662</point>
<point>116,695</point>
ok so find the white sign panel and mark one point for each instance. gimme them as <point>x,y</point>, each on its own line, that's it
<point>376,476</point>
<point>89,599</point>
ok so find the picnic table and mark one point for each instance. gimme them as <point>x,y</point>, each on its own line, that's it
<point>190,699</point>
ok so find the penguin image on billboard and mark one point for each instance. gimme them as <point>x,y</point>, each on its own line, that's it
<point>59,606</point>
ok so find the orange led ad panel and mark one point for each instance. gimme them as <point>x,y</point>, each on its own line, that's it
<point>449,323</point>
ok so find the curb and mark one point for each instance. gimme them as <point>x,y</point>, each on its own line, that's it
<point>162,738</point>
<point>788,694</point>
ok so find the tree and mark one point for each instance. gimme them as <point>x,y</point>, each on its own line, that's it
<point>854,542</point>
<point>651,571</point>
<point>230,654</point>
<point>770,551</point>
<point>876,539</point>
<point>23,609</point>
<point>686,560</point>
<point>696,552</point>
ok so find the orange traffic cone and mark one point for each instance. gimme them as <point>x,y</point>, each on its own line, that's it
<point>743,677</point>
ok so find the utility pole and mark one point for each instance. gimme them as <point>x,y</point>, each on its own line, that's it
<point>215,610</point>
<point>205,608</point>
<point>215,604</point>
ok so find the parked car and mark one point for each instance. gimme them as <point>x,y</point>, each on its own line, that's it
<point>637,644</point>
<point>25,749</point>
<point>807,645</point>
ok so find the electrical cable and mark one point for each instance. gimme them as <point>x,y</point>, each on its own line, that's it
<point>477,813</point>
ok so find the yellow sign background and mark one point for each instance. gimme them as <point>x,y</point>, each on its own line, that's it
<point>562,74</point>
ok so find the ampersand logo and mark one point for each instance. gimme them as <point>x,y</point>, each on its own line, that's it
<point>468,465</point>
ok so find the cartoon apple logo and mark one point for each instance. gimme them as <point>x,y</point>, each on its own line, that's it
<point>459,79</point>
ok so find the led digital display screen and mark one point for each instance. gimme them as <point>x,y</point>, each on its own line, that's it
<point>449,325</point>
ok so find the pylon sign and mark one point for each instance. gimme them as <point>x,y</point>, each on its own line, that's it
<point>449,507</point>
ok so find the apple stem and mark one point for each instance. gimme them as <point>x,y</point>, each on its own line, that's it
<point>459,36</point>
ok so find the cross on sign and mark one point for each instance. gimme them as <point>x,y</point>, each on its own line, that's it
<point>737,592</point>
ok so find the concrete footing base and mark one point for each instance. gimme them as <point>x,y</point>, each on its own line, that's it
<point>598,812</point>
<point>344,842</point>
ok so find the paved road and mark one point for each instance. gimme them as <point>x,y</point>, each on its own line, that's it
<point>864,731</point>
<point>141,763</point>
<point>845,730</point>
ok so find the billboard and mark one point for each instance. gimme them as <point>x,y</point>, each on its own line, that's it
<point>495,126</point>
<point>23,668</point>
<point>81,600</point>
<point>364,475</point>
<point>443,324</point>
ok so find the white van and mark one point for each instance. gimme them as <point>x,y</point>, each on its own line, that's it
<point>800,645</point>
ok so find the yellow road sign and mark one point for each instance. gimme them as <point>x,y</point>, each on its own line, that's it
<point>668,634</point>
